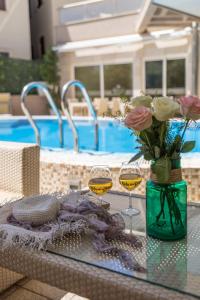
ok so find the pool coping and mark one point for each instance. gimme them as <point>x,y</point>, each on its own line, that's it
<point>113,160</point>
<point>50,117</point>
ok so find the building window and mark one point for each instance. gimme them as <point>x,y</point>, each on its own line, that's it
<point>2,5</point>
<point>173,74</point>
<point>40,2</point>
<point>42,45</point>
<point>4,54</point>
<point>118,80</point>
<point>176,77</point>
<point>114,81</point>
<point>154,81</point>
<point>90,76</point>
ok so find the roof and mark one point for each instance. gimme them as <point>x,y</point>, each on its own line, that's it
<point>188,7</point>
<point>153,15</point>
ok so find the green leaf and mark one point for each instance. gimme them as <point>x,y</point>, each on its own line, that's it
<point>140,141</point>
<point>188,146</point>
<point>163,129</point>
<point>148,156</point>
<point>143,137</point>
<point>175,155</point>
<point>177,142</point>
<point>175,146</point>
<point>136,156</point>
<point>157,152</point>
<point>162,168</point>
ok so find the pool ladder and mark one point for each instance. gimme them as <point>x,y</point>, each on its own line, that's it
<point>66,111</point>
<point>40,86</point>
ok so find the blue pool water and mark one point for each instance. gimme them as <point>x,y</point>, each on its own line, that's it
<point>113,136</point>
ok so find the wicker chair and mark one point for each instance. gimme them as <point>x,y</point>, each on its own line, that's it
<point>5,103</point>
<point>115,106</point>
<point>101,106</point>
<point>19,176</point>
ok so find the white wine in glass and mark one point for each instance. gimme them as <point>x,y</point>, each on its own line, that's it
<point>100,186</point>
<point>100,181</point>
<point>130,178</point>
<point>130,181</point>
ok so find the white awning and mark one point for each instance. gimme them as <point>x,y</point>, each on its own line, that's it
<point>124,40</point>
<point>71,46</point>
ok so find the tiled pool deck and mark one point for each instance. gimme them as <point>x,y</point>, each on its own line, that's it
<point>60,168</point>
<point>26,289</point>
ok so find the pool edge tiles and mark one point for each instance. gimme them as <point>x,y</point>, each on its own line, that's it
<point>58,169</point>
<point>84,158</point>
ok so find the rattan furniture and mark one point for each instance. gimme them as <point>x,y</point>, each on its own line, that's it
<point>5,103</point>
<point>19,170</point>
<point>78,109</point>
<point>19,176</point>
<point>101,106</point>
<point>115,106</point>
<point>172,268</point>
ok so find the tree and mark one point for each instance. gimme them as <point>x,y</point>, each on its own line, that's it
<point>50,73</point>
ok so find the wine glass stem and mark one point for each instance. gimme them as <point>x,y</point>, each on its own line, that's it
<point>130,200</point>
<point>131,224</point>
<point>100,200</point>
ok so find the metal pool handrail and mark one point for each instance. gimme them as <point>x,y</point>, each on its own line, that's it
<point>41,86</point>
<point>66,111</point>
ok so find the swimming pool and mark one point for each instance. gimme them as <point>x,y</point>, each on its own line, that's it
<point>113,136</point>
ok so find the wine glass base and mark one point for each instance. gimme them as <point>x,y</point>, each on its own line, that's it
<point>103,203</point>
<point>130,212</point>
<point>99,201</point>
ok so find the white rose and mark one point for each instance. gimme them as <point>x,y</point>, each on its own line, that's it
<point>141,101</point>
<point>165,108</point>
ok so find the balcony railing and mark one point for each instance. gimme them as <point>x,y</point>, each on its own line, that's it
<point>92,9</point>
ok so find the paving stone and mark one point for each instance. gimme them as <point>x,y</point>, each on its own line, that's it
<point>44,289</point>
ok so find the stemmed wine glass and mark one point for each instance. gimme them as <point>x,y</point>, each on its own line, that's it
<point>130,178</point>
<point>100,182</point>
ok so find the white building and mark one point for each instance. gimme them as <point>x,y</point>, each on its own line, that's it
<point>15,29</point>
<point>124,47</point>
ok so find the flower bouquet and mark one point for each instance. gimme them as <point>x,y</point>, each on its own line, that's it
<point>160,126</point>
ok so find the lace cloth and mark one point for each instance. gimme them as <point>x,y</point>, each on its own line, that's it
<point>84,217</point>
<point>37,210</point>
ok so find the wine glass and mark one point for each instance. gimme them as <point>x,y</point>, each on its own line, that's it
<point>100,182</point>
<point>130,178</point>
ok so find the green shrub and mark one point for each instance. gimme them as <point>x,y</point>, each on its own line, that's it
<point>16,73</point>
<point>50,73</point>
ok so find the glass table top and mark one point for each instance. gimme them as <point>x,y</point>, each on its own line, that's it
<point>175,265</point>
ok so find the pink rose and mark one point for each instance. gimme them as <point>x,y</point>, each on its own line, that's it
<point>190,107</point>
<point>139,118</point>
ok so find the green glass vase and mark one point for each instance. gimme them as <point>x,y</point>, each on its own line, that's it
<point>166,210</point>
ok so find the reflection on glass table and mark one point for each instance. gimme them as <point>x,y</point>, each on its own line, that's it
<point>174,265</point>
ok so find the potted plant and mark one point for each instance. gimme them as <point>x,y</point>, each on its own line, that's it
<point>160,125</point>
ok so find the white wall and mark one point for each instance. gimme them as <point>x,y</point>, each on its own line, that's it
<point>99,28</point>
<point>15,29</point>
